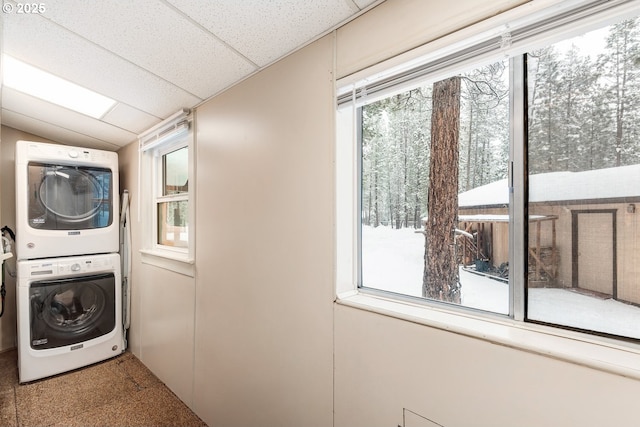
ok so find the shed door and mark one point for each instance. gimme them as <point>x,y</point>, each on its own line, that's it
<point>594,251</point>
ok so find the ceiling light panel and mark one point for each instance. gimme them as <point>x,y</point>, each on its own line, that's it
<point>56,49</point>
<point>40,84</point>
<point>44,111</point>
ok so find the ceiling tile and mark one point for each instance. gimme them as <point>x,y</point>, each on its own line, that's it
<point>49,113</point>
<point>53,132</point>
<point>131,119</point>
<point>152,56</point>
<point>266,30</point>
<point>46,45</point>
<point>362,4</point>
<point>156,37</point>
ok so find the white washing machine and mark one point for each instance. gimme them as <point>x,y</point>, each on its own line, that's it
<point>66,201</point>
<point>69,313</point>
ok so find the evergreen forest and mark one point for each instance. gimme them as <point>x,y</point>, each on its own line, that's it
<point>583,114</point>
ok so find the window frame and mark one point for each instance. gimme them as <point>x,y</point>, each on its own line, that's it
<point>170,135</point>
<point>159,197</point>
<point>608,354</point>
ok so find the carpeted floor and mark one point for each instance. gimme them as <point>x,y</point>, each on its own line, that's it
<point>117,392</point>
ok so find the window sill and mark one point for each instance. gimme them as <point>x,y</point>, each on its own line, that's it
<point>177,263</point>
<point>604,354</point>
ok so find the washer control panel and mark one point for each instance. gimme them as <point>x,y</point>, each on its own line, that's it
<point>71,266</point>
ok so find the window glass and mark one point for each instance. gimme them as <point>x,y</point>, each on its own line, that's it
<point>172,205</point>
<point>433,190</point>
<point>584,175</point>
<point>175,172</point>
<point>173,223</point>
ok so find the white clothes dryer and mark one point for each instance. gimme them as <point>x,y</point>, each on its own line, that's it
<point>69,313</point>
<point>66,201</point>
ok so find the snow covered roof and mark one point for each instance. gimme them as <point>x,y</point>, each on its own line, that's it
<point>609,183</point>
<point>496,218</point>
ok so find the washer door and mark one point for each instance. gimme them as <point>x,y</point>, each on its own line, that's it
<point>71,311</point>
<point>64,197</point>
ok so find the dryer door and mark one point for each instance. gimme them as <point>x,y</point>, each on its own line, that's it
<point>70,311</point>
<point>69,198</point>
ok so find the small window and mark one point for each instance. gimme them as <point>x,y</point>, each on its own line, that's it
<point>172,203</point>
<point>166,173</point>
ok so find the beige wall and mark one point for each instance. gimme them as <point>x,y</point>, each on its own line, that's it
<point>258,348</point>
<point>162,302</point>
<point>255,338</point>
<point>8,138</point>
<point>397,26</point>
<point>384,365</point>
<point>386,368</point>
<point>264,249</point>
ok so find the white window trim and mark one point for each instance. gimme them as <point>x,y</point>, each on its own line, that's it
<point>610,355</point>
<point>169,135</point>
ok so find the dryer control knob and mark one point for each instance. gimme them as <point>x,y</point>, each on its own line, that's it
<point>73,154</point>
<point>75,267</point>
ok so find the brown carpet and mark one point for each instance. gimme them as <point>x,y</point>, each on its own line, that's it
<point>119,392</point>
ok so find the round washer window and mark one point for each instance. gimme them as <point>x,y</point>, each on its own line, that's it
<point>74,308</point>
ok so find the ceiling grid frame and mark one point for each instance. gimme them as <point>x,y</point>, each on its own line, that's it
<point>66,40</point>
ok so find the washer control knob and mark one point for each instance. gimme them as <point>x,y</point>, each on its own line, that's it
<point>73,154</point>
<point>75,267</point>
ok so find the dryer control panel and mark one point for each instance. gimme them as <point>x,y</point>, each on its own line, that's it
<point>40,151</point>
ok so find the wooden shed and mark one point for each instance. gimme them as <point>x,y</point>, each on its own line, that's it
<point>584,230</point>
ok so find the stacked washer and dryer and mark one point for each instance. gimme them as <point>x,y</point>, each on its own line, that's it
<point>69,287</point>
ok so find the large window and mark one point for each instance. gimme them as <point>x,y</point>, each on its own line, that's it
<point>167,196</point>
<point>505,177</point>
<point>424,151</point>
<point>584,181</point>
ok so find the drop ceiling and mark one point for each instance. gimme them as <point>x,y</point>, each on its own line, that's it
<point>154,57</point>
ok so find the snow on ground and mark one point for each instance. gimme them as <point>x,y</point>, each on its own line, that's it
<point>393,260</point>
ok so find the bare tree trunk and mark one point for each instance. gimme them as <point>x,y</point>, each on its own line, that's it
<point>470,139</point>
<point>405,174</point>
<point>376,210</point>
<point>621,83</point>
<point>441,270</point>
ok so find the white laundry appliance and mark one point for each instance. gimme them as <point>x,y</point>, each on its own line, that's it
<point>67,200</point>
<point>69,313</point>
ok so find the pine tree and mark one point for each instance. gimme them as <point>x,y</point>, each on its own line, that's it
<point>441,270</point>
